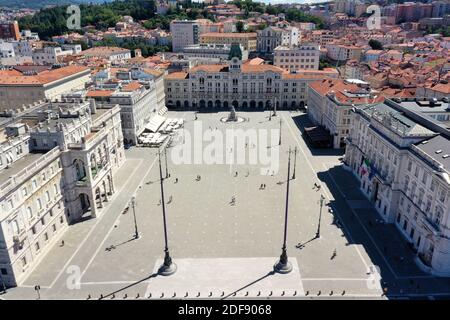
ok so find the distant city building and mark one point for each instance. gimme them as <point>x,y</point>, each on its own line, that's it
<point>341,52</point>
<point>10,30</point>
<point>51,54</point>
<point>109,53</point>
<point>304,56</point>
<point>218,51</point>
<point>330,102</point>
<point>246,40</point>
<point>24,85</point>
<point>184,33</point>
<point>322,37</point>
<point>272,37</point>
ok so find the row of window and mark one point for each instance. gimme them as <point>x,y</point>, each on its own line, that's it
<point>37,245</point>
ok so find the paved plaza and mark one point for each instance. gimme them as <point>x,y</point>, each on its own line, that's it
<point>225,249</point>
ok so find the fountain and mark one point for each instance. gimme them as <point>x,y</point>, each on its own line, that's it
<point>232,117</point>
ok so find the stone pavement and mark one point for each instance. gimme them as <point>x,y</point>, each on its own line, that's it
<point>204,228</point>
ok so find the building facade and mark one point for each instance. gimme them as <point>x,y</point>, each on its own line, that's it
<point>54,172</point>
<point>304,56</point>
<point>211,51</point>
<point>272,37</point>
<point>22,88</point>
<point>401,157</point>
<point>184,33</point>
<point>330,102</point>
<point>246,40</point>
<point>242,85</point>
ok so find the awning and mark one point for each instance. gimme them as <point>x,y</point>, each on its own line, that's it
<point>155,123</point>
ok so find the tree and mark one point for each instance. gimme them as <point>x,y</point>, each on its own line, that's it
<point>375,44</point>
<point>239,26</point>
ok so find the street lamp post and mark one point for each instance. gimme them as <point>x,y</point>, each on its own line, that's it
<point>322,199</point>
<point>37,288</point>
<point>3,284</point>
<point>270,115</point>
<point>168,267</point>
<point>133,204</point>
<point>165,158</point>
<point>275,108</point>
<point>295,162</point>
<point>283,265</point>
<point>279,141</point>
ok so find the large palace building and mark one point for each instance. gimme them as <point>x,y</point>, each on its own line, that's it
<point>246,85</point>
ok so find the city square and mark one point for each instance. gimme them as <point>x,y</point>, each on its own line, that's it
<point>226,249</point>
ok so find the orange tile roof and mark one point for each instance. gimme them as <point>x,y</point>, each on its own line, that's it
<point>176,76</point>
<point>212,68</point>
<point>254,61</point>
<point>229,35</point>
<point>398,93</point>
<point>7,73</point>
<point>339,86</point>
<point>99,93</point>
<point>132,86</point>
<point>104,51</point>
<point>249,68</point>
<point>441,87</point>
<point>311,74</point>
<point>43,77</point>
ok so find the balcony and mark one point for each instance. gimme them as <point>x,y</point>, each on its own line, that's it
<point>82,182</point>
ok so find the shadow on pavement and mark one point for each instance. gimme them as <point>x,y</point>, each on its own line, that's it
<point>302,121</point>
<point>391,255</point>
<point>271,273</point>
<point>154,275</point>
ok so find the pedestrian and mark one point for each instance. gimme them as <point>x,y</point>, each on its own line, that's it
<point>318,187</point>
<point>334,254</point>
<point>176,180</point>
<point>62,243</point>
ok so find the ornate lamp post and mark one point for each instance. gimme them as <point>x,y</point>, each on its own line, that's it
<point>283,265</point>
<point>165,158</point>
<point>275,108</point>
<point>3,284</point>
<point>168,267</point>
<point>322,199</point>
<point>295,161</point>
<point>133,204</point>
<point>279,141</point>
